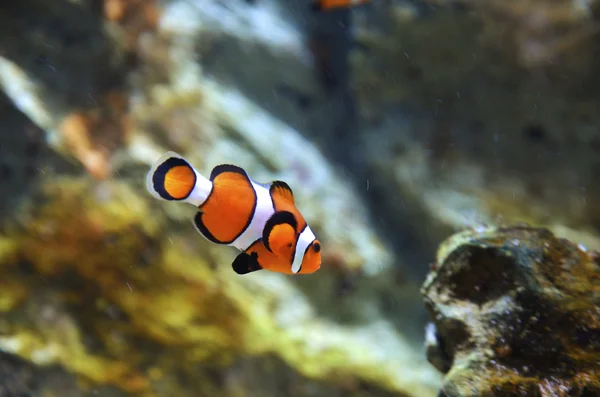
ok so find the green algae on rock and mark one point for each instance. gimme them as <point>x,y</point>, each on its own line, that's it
<point>115,302</point>
<point>515,311</point>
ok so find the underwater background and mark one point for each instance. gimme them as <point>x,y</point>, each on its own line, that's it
<point>445,152</point>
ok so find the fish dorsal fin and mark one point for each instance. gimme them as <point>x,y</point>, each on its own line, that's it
<point>246,263</point>
<point>279,231</point>
<point>282,189</point>
<point>224,168</point>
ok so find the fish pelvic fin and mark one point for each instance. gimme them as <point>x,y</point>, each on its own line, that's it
<point>246,263</point>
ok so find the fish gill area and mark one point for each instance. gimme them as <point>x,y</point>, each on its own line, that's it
<point>397,124</point>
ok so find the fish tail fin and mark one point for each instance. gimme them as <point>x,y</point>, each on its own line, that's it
<point>173,178</point>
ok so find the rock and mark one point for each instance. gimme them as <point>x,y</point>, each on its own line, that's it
<point>514,311</point>
<point>66,73</point>
<point>21,378</point>
<point>62,46</point>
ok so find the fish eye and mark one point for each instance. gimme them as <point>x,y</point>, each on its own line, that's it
<point>289,245</point>
<point>317,247</point>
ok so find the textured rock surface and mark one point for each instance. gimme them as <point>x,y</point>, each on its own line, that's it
<point>515,312</point>
<point>21,378</point>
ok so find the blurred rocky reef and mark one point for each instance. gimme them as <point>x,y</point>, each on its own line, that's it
<point>396,124</point>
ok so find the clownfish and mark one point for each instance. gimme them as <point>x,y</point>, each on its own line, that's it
<point>261,220</point>
<point>325,5</point>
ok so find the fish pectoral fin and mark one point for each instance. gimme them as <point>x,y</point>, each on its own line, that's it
<point>246,263</point>
<point>280,227</point>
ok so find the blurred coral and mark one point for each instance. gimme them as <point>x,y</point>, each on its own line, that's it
<point>536,31</point>
<point>134,17</point>
<point>94,134</point>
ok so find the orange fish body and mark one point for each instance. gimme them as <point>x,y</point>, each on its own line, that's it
<point>326,5</point>
<point>261,220</point>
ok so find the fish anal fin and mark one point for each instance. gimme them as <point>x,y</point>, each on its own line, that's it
<point>246,263</point>
<point>282,189</point>
<point>279,218</point>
